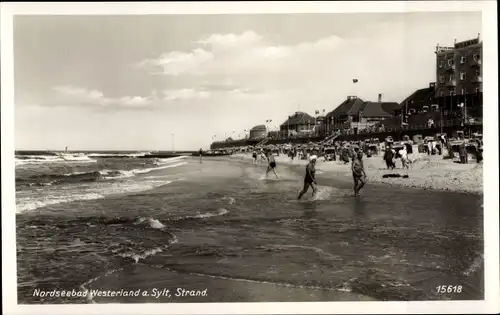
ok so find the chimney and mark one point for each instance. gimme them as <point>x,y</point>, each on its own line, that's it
<point>380,98</point>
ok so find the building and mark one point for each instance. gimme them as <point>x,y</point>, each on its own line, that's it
<point>459,75</point>
<point>422,100</point>
<point>298,123</point>
<point>356,114</point>
<point>258,132</point>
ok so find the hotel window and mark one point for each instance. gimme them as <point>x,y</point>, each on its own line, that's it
<point>452,77</point>
<point>478,73</point>
<point>463,91</point>
<point>463,59</point>
<point>475,57</point>
<point>478,90</point>
<point>441,63</point>
<point>463,76</point>
<point>450,62</point>
<point>441,78</point>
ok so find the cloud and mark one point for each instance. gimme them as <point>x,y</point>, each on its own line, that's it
<point>218,42</point>
<point>185,94</point>
<point>245,63</point>
<point>175,62</point>
<point>237,54</point>
<point>67,95</point>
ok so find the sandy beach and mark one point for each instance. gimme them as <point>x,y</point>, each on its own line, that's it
<point>427,171</point>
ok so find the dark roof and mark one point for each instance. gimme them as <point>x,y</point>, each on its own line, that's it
<point>299,118</point>
<point>259,128</point>
<point>355,106</point>
<point>380,109</point>
<point>419,98</point>
<point>349,107</point>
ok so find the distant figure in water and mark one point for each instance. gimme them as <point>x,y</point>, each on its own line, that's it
<point>310,179</point>
<point>358,173</point>
<point>201,154</point>
<point>254,156</point>
<point>272,164</point>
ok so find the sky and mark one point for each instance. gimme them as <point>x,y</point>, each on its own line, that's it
<point>176,82</point>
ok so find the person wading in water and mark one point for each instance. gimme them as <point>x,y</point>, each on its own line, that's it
<point>310,179</point>
<point>358,173</point>
<point>201,154</point>
<point>272,164</point>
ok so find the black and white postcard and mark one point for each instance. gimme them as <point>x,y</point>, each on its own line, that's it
<point>222,158</point>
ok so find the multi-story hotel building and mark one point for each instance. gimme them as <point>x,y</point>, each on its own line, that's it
<point>459,74</point>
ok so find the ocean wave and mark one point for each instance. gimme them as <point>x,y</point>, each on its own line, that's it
<point>131,173</point>
<point>229,199</point>
<point>149,252</point>
<point>50,179</point>
<point>221,211</point>
<point>55,158</point>
<point>28,205</point>
<point>76,177</point>
<point>160,161</point>
<point>118,155</point>
<point>151,222</point>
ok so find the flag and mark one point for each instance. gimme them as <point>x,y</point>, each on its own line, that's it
<point>354,80</point>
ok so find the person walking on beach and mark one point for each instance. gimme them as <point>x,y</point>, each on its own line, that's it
<point>272,164</point>
<point>310,179</point>
<point>263,156</point>
<point>201,154</point>
<point>358,173</point>
<point>404,157</point>
<point>388,156</point>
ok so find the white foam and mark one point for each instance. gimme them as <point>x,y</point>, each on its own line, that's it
<point>153,223</point>
<point>474,266</point>
<point>221,211</point>
<point>60,158</point>
<point>230,200</point>
<point>150,252</point>
<point>131,173</point>
<point>28,204</point>
<point>169,160</point>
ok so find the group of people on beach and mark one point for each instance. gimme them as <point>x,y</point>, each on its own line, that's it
<point>357,167</point>
<point>358,175</point>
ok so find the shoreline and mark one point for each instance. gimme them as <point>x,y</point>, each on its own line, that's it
<point>428,172</point>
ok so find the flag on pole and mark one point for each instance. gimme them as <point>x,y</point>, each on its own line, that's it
<point>354,80</point>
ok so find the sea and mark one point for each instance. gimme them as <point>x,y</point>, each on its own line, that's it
<point>143,229</point>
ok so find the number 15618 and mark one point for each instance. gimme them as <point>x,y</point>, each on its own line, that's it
<point>449,289</point>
